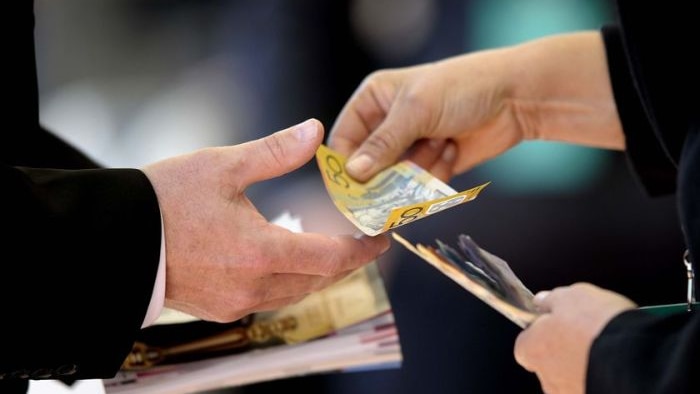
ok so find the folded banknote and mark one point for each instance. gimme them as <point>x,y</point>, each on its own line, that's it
<point>398,195</point>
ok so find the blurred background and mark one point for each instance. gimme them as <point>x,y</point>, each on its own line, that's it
<point>133,81</point>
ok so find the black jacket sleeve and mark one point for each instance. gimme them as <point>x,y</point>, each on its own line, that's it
<point>654,169</point>
<point>655,78</point>
<point>80,255</point>
<point>640,353</point>
<point>80,245</point>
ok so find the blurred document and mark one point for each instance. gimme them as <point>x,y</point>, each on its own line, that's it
<point>486,276</point>
<point>373,344</point>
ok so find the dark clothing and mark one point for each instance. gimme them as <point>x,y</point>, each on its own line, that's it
<point>655,75</point>
<point>81,246</point>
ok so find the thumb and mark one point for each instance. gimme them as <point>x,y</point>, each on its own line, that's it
<point>385,145</point>
<point>280,153</point>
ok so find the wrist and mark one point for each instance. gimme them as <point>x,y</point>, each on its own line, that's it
<point>560,90</point>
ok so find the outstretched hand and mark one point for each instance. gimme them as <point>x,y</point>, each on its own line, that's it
<point>224,259</point>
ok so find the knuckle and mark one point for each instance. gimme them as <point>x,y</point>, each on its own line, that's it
<point>373,79</point>
<point>519,352</point>
<point>225,314</point>
<point>381,142</point>
<point>328,269</point>
<point>251,298</point>
<point>415,101</point>
<point>582,285</point>
<point>557,291</point>
<point>340,265</point>
<point>226,317</point>
<point>275,148</point>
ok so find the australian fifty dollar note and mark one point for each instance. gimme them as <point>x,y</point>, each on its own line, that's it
<point>400,194</point>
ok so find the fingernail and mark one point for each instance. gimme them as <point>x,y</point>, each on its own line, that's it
<point>359,164</point>
<point>539,297</point>
<point>360,235</point>
<point>306,131</point>
<point>386,247</point>
<point>450,153</point>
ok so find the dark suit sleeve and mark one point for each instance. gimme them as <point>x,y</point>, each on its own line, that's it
<point>652,166</point>
<point>655,79</point>
<point>641,353</point>
<point>79,260</point>
<point>36,147</point>
<point>80,245</point>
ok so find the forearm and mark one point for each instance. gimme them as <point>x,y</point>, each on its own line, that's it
<point>558,89</point>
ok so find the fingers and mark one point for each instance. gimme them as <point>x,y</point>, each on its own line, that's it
<point>383,147</point>
<point>426,152</point>
<point>317,254</point>
<point>276,304</point>
<point>278,153</point>
<point>406,121</point>
<point>523,343</point>
<point>280,290</point>
<point>267,292</point>
<point>540,301</point>
<point>547,301</point>
<point>519,350</point>
<point>437,157</point>
<point>285,286</point>
<point>561,297</point>
<point>295,287</point>
<point>363,113</point>
<point>528,350</point>
<point>389,112</point>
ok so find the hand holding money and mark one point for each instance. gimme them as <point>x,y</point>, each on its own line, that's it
<point>398,195</point>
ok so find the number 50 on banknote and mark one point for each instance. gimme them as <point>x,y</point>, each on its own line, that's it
<point>400,194</point>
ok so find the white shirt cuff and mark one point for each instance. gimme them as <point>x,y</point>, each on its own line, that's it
<point>158,295</point>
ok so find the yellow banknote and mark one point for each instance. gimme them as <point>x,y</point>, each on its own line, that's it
<point>400,194</point>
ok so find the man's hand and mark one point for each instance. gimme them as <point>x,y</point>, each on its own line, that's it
<point>224,259</point>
